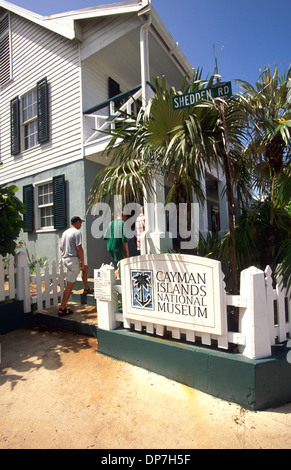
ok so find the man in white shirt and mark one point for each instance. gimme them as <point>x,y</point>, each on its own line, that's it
<point>73,258</point>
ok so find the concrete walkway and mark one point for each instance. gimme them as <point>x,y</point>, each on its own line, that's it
<point>58,392</point>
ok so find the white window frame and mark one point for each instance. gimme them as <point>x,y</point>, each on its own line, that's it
<point>27,122</point>
<point>38,207</point>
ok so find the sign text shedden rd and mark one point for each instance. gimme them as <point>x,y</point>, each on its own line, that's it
<point>189,99</point>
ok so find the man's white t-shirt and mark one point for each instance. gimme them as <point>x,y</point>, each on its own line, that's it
<point>71,238</point>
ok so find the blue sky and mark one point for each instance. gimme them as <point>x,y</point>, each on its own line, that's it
<point>247,34</point>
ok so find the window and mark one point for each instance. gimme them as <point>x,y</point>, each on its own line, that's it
<point>29,118</point>
<point>5,61</point>
<point>45,205</point>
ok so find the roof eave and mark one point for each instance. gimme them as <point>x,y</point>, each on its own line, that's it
<point>167,38</point>
<point>64,27</point>
<point>64,23</point>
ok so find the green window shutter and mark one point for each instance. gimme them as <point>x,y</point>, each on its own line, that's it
<point>14,126</point>
<point>42,111</point>
<point>59,189</point>
<point>28,202</point>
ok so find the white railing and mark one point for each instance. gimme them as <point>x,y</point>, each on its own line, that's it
<point>264,317</point>
<point>43,289</point>
<point>102,122</point>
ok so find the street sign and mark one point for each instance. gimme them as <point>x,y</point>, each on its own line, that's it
<point>189,99</point>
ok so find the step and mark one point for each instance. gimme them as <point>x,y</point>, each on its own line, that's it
<point>79,284</point>
<point>83,299</point>
<point>78,296</point>
<point>84,319</point>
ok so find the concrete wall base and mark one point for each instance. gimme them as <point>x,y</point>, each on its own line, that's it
<point>253,384</point>
<point>65,324</point>
<point>12,316</point>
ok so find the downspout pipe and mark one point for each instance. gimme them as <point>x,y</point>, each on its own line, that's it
<point>144,60</point>
<point>144,70</point>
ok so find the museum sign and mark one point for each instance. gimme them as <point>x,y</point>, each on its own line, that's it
<point>179,291</point>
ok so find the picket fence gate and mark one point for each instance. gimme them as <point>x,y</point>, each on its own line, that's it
<point>43,289</point>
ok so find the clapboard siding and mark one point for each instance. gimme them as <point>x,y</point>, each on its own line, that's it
<point>95,90</point>
<point>95,75</point>
<point>39,53</point>
<point>108,30</point>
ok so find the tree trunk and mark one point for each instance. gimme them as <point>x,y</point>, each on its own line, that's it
<point>230,205</point>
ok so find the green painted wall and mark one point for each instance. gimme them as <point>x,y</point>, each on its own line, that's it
<point>79,177</point>
<point>46,243</point>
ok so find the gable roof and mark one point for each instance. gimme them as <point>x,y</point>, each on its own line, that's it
<point>66,24</point>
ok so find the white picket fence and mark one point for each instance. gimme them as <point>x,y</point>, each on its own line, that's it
<point>264,317</point>
<point>43,289</point>
<point>264,311</point>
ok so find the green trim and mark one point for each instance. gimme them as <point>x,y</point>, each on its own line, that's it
<point>116,99</point>
<point>253,384</point>
<point>59,199</point>
<point>28,192</point>
<point>42,111</point>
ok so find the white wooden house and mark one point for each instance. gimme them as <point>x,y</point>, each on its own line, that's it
<point>58,77</point>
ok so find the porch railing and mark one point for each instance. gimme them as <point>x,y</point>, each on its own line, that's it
<point>101,123</point>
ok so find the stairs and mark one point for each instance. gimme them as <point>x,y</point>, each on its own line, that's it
<point>84,319</point>
<point>80,298</point>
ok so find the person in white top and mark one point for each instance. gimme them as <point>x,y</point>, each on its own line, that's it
<point>73,257</point>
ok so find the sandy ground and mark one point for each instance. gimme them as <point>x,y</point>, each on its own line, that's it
<point>58,392</point>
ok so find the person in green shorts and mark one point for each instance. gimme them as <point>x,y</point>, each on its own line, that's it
<point>117,243</point>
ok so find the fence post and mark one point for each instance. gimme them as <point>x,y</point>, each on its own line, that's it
<point>106,309</point>
<point>253,319</point>
<point>22,281</point>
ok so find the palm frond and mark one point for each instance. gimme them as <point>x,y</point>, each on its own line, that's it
<point>284,268</point>
<point>127,180</point>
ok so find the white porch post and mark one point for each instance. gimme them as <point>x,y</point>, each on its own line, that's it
<point>155,239</point>
<point>144,61</point>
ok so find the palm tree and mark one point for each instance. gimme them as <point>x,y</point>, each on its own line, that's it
<point>180,144</point>
<point>268,117</point>
<point>227,143</point>
<point>157,141</point>
<point>142,282</point>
